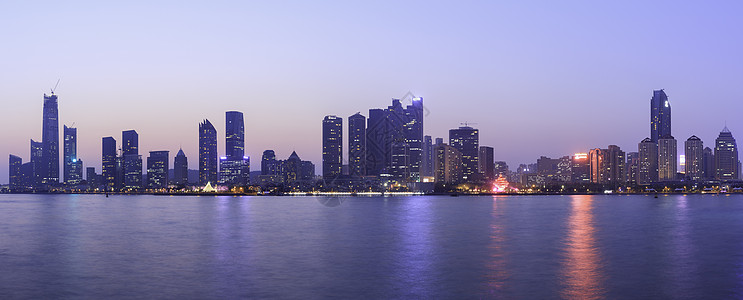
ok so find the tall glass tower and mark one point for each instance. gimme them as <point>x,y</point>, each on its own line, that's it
<point>207,153</point>
<point>73,166</point>
<point>234,167</point>
<point>50,141</point>
<point>357,145</point>
<point>726,156</point>
<point>660,116</point>
<point>332,147</point>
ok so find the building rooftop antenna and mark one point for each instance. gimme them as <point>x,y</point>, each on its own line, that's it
<point>55,86</point>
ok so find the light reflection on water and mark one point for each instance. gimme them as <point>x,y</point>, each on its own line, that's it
<point>583,272</point>
<point>497,276</point>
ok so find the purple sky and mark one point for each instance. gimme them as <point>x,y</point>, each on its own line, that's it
<point>539,78</point>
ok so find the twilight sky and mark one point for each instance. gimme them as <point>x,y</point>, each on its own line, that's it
<point>538,78</point>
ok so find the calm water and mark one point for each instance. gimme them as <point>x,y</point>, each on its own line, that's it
<point>541,247</point>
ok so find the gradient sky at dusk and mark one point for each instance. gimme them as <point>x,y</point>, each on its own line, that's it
<point>539,78</point>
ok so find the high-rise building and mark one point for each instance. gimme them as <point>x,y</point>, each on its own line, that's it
<point>614,161</point>
<point>267,163</point>
<point>180,168</point>
<point>392,133</point>
<point>486,162</point>
<point>234,167</point>
<point>596,162</point>
<point>580,168</point>
<point>207,153</point>
<point>447,163</point>
<point>132,160</point>
<point>632,167</point>
<point>414,139</point>
<point>332,147</point>
<point>694,156</point>
<point>467,140</point>
<point>91,177</point>
<point>37,163</point>
<point>73,166</point>
<point>357,145</point>
<point>726,156</point>
<point>14,172</point>
<point>158,165</point>
<point>660,116</point>
<point>50,141</point>
<point>648,161</point>
<point>108,155</point>
<point>667,152</point>
<point>708,163</point>
<point>427,157</point>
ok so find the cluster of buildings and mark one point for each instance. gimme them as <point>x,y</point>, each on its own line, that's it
<point>386,151</point>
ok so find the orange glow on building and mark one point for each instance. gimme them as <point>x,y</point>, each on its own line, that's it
<point>500,185</point>
<point>580,156</point>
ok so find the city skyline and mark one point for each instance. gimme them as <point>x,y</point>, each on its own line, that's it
<point>510,93</point>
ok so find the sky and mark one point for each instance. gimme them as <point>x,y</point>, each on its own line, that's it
<point>537,78</point>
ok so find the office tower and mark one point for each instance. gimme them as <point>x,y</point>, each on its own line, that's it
<point>466,139</point>
<point>682,164</point>
<point>648,162</point>
<point>486,162</point>
<point>632,167</point>
<point>726,156</point>
<point>132,160</point>
<point>180,168</point>
<point>547,168</point>
<point>447,164</point>
<point>14,172</point>
<point>332,147</point>
<point>91,177</point>
<point>694,156</point>
<point>37,163</point>
<point>427,157</point>
<point>108,155</point>
<point>614,165</point>
<point>660,116</point>
<point>207,153</point>
<point>395,131</point>
<point>73,166</point>
<point>267,163</point>
<point>501,168</point>
<point>667,158</point>
<point>596,162</point>
<point>708,163</point>
<point>580,168</point>
<point>357,145</point>
<point>158,165</point>
<point>439,141</point>
<point>234,167</point>
<point>50,141</point>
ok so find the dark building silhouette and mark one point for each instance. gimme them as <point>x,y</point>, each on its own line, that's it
<point>726,156</point>
<point>467,140</point>
<point>158,164</point>
<point>73,166</point>
<point>293,173</point>
<point>694,155</point>
<point>180,168</point>
<point>50,141</point>
<point>708,158</point>
<point>91,177</point>
<point>647,170</point>
<point>632,167</point>
<point>37,164</point>
<point>267,160</point>
<point>357,145</point>
<point>427,157</point>
<point>234,167</point>
<point>332,147</point>
<point>414,138</point>
<point>132,160</point>
<point>108,155</point>
<point>207,153</point>
<point>486,162</point>
<point>15,176</point>
<point>660,116</point>
<point>394,141</point>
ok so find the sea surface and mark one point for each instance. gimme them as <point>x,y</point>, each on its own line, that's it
<point>418,247</point>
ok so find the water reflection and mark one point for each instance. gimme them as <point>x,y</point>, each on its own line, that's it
<point>330,201</point>
<point>582,274</point>
<point>682,252</point>
<point>497,273</point>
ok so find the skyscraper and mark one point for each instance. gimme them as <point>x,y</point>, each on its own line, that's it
<point>37,163</point>
<point>234,167</point>
<point>267,163</point>
<point>73,166</point>
<point>447,164</point>
<point>632,167</point>
<point>467,140</point>
<point>50,141</point>
<point>726,156</point>
<point>332,147</point>
<point>667,153</point>
<point>708,163</point>
<point>614,160</point>
<point>414,138</point>
<point>596,162</point>
<point>427,159</point>
<point>394,141</point>
<point>157,169</point>
<point>108,155</point>
<point>486,162</point>
<point>207,153</point>
<point>660,116</point>
<point>132,160</point>
<point>357,145</point>
<point>580,168</point>
<point>180,168</point>
<point>694,155</point>
<point>648,162</point>
<point>14,172</point>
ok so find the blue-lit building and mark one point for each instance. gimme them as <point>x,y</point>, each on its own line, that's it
<point>467,140</point>
<point>180,168</point>
<point>157,169</point>
<point>49,169</point>
<point>727,166</point>
<point>132,166</point>
<point>660,116</point>
<point>332,147</point>
<point>234,167</point>
<point>73,165</point>
<point>357,145</point>
<point>108,163</point>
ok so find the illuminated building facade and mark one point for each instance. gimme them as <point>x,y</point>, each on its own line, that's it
<point>726,156</point>
<point>37,163</point>
<point>73,166</point>
<point>132,166</point>
<point>395,131</point>
<point>648,162</point>
<point>580,168</point>
<point>632,167</point>
<point>447,164</point>
<point>486,162</point>
<point>427,157</point>
<point>613,167</point>
<point>180,168</point>
<point>50,141</point>
<point>357,145</point>
<point>108,155</point>
<point>158,165</point>
<point>596,161</point>
<point>667,158</point>
<point>467,140</point>
<point>660,116</point>
<point>14,172</point>
<point>234,167</point>
<point>332,147</point>
<point>694,156</point>
<point>207,153</point>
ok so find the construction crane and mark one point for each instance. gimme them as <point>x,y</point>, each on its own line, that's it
<point>55,86</point>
